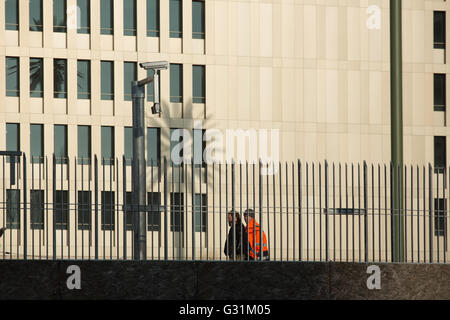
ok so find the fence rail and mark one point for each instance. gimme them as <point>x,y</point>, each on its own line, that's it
<point>81,209</point>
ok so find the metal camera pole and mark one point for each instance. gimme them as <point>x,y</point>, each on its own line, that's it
<point>397,214</point>
<point>139,176</point>
<point>139,166</point>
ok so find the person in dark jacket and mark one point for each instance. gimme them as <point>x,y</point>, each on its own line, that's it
<point>236,231</point>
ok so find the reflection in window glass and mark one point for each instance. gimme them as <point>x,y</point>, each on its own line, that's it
<point>59,16</point>
<point>84,79</point>
<point>84,21</point>
<point>35,15</point>
<point>60,78</point>
<point>12,15</point>
<point>12,77</point>
<point>36,77</point>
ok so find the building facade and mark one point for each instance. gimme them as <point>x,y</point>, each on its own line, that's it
<point>316,72</point>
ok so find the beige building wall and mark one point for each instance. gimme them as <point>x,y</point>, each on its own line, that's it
<point>310,68</point>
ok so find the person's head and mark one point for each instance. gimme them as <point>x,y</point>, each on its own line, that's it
<point>249,215</point>
<point>237,217</point>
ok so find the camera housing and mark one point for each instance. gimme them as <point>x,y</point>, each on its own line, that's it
<point>157,65</point>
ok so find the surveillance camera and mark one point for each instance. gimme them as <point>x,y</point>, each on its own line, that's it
<point>156,108</point>
<point>157,65</point>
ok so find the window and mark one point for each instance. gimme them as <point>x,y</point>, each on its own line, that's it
<point>176,83</point>
<point>59,16</point>
<point>176,19</point>
<point>36,77</point>
<point>107,17</point>
<point>108,221</point>
<point>60,78</point>
<point>440,153</point>
<point>200,201</point>
<point>130,74</point>
<point>61,210</point>
<point>60,138</point>
<point>84,144</point>
<point>199,147</point>
<point>12,137</point>
<point>177,211</point>
<point>12,15</point>
<point>154,214</point>
<point>439,29</point>
<point>440,95</point>
<point>13,209</point>
<point>35,15</point>
<point>129,213</point>
<point>198,19</point>
<point>198,84</point>
<point>153,146</point>
<point>12,77</point>
<point>128,140</point>
<point>152,18</point>
<point>108,145</point>
<point>37,143</point>
<point>84,210</point>
<point>37,209</point>
<point>176,141</point>
<point>107,79</point>
<point>440,217</point>
<point>129,17</point>
<point>84,79</point>
<point>84,20</point>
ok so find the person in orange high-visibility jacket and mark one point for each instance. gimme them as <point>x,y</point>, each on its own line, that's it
<point>252,238</point>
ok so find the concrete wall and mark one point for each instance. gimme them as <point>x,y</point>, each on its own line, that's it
<point>219,281</point>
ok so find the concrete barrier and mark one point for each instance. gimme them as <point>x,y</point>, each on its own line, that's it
<point>223,281</point>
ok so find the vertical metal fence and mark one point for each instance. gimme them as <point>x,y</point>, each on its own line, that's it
<point>61,208</point>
